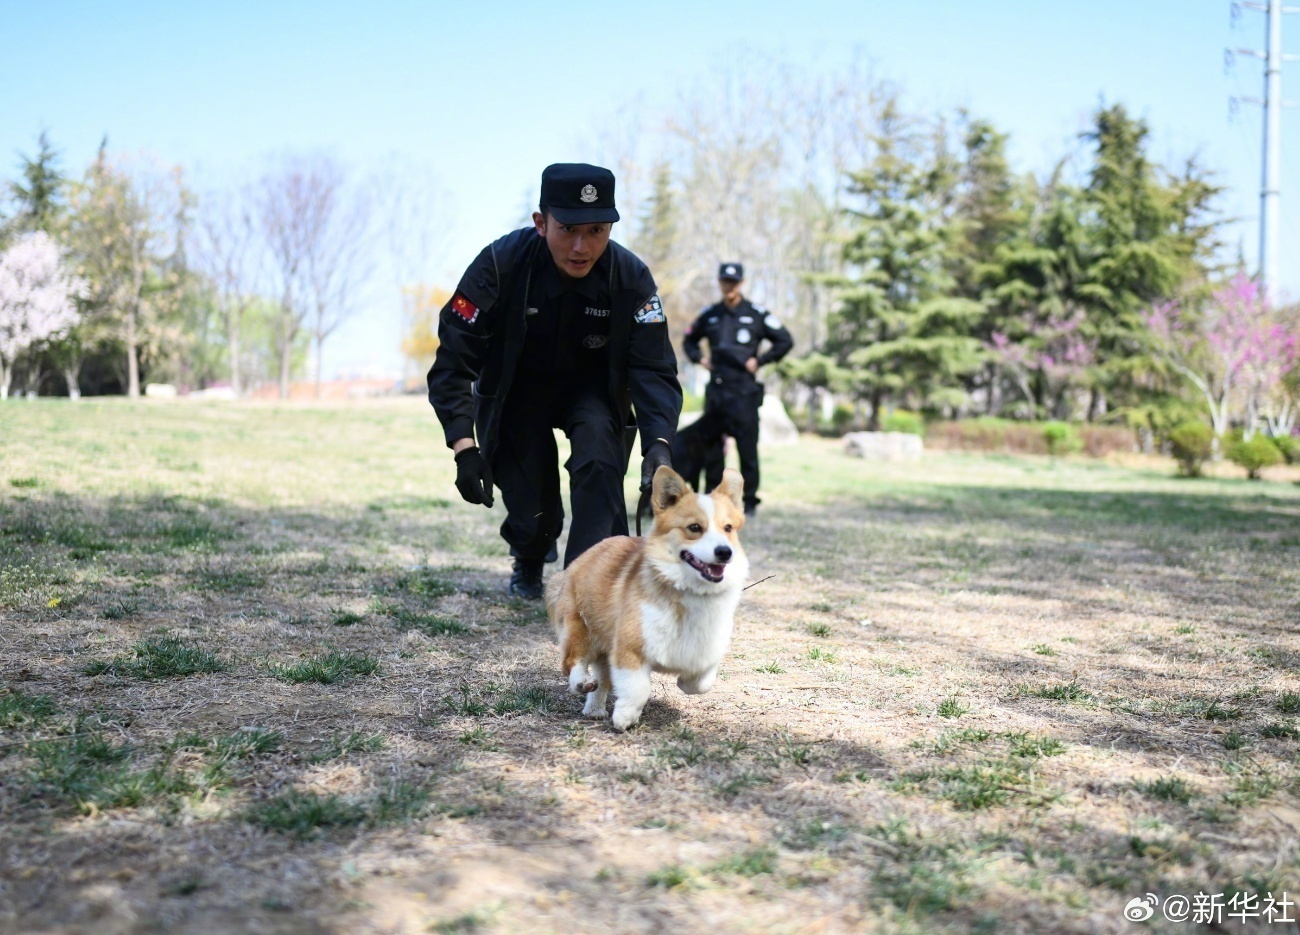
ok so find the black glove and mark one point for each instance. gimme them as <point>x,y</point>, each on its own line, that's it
<point>473,476</point>
<point>658,453</point>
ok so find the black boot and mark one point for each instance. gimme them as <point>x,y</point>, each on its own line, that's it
<point>526,580</point>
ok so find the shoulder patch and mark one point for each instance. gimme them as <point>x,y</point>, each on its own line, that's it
<point>464,308</point>
<point>652,312</point>
<point>772,321</point>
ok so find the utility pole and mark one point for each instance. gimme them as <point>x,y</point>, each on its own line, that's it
<point>1271,183</point>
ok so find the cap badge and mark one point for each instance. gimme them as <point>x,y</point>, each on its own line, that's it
<point>588,194</point>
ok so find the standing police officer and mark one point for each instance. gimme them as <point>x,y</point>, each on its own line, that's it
<point>554,326</point>
<point>734,328</point>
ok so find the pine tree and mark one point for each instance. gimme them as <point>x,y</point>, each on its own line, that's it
<point>990,207</point>
<point>40,193</point>
<point>900,329</point>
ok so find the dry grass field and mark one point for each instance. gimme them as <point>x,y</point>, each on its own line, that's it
<point>259,674</point>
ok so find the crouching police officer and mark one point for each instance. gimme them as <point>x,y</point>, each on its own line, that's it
<point>555,326</point>
<point>734,329</point>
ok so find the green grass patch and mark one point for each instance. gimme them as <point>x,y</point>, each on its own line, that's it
<point>19,711</point>
<point>307,814</point>
<point>951,740</point>
<point>1044,650</point>
<point>1250,789</point>
<point>229,579</point>
<point>819,629</point>
<point>812,834</point>
<point>672,877</point>
<point>327,669</point>
<point>85,768</point>
<point>1168,789</point>
<point>159,658</point>
<point>466,923</point>
<point>1289,703</point>
<point>751,863</point>
<point>25,483</point>
<point>686,750</point>
<point>1029,745</point>
<point>1234,740</point>
<point>246,744</point>
<point>304,814</point>
<point>121,609</point>
<point>346,618</point>
<point>428,624</point>
<point>1066,691</point>
<point>528,699</point>
<point>951,707</point>
<point>340,747</point>
<point>1218,712</point>
<point>785,749</point>
<point>1284,730</point>
<point>737,783</point>
<point>477,736</point>
<point>428,583</point>
<point>772,668</point>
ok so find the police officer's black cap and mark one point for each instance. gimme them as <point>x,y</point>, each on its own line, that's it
<point>576,193</point>
<point>733,271</point>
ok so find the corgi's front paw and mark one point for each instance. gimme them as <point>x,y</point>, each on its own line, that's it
<point>625,717</point>
<point>595,706</point>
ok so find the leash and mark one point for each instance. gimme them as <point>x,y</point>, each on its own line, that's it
<point>642,505</point>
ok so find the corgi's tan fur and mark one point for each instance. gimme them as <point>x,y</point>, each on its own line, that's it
<point>628,607</point>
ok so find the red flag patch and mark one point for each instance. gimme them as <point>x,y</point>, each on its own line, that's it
<point>464,308</point>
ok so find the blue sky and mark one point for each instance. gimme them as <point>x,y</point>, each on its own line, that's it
<point>484,95</point>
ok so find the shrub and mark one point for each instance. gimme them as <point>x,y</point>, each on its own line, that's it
<point>841,419</point>
<point>1255,454</point>
<point>900,420</point>
<point>1005,435</point>
<point>1192,444</point>
<point>1060,438</point>
<point>1289,445</point>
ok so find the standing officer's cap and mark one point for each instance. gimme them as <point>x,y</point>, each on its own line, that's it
<point>576,193</point>
<point>734,271</point>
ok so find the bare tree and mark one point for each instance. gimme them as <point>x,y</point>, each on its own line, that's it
<point>337,267</point>
<point>228,255</point>
<point>314,228</point>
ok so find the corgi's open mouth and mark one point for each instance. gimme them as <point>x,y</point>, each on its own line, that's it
<point>707,571</point>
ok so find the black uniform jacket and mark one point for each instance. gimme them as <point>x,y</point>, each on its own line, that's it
<point>734,335</point>
<point>481,335</point>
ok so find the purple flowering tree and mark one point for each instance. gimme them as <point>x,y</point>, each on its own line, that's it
<point>1235,351</point>
<point>37,295</point>
<point>1054,354</point>
<point>1273,355</point>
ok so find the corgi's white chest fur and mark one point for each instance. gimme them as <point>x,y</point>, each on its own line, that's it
<point>694,641</point>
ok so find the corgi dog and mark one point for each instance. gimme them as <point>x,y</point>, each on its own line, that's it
<point>628,606</point>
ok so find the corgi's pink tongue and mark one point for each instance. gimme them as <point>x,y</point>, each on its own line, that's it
<point>711,571</point>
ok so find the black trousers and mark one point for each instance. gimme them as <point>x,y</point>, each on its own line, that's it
<point>698,447</point>
<point>526,467</point>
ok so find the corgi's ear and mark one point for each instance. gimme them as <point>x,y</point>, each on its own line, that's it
<point>733,487</point>
<point>668,487</point>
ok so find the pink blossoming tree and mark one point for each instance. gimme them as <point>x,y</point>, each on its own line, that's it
<point>37,299</point>
<point>1054,354</point>
<point>1236,352</point>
